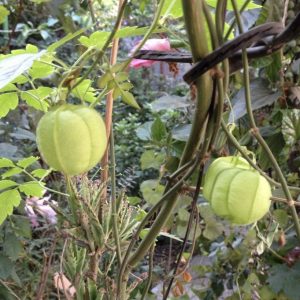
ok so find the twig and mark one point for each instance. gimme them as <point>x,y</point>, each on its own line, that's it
<point>9,289</point>
<point>45,272</point>
<point>149,280</point>
<point>255,130</point>
<point>187,233</point>
<point>109,108</point>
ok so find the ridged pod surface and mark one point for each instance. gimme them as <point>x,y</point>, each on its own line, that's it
<point>236,191</point>
<point>71,138</point>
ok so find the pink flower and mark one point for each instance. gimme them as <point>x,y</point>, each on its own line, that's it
<point>35,206</point>
<point>151,44</point>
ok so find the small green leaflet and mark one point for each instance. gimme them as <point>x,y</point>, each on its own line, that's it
<point>32,188</point>
<point>11,172</point>
<point>128,98</point>
<point>8,200</point>
<point>4,184</point>
<point>98,38</point>
<point>36,98</point>
<point>6,163</point>
<point>8,101</point>
<point>85,91</point>
<point>40,173</point>
<point>24,163</point>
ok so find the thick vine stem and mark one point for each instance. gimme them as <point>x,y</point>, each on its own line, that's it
<point>195,27</point>
<point>255,131</point>
<point>194,20</point>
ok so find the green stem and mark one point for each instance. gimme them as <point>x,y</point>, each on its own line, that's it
<point>150,30</point>
<point>115,214</point>
<point>149,280</point>
<point>255,130</point>
<point>106,45</point>
<point>234,21</point>
<point>195,24</point>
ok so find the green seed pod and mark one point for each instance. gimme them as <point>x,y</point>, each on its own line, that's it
<point>236,191</point>
<point>71,138</point>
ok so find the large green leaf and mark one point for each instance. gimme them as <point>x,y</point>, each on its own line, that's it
<point>12,246</point>
<point>158,130</point>
<point>7,267</point>
<point>285,279</point>
<point>151,159</point>
<point>152,191</point>
<point>8,200</point>
<point>291,126</point>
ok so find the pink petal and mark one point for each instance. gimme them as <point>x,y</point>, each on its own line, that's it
<point>151,44</point>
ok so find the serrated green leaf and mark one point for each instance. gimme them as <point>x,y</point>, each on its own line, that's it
<point>21,226</point>
<point>8,88</point>
<point>281,217</point>
<point>40,173</point>
<point>212,230</point>
<point>158,130</point>
<point>3,13</point>
<point>5,163</point>
<point>121,76</point>
<point>7,267</point>
<point>8,200</point>
<point>291,126</point>
<point>11,172</point>
<point>4,184</point>
<point>125,86</point>
<point>152,191</point>
<point>104,79</point>
<point>85,91</point>
<point>12,247</point>
<point>8,101</point>
<point>41,69</point>
<point>37,98</point>
<point>116,93</point>
<point>285,279</point>
<point>151,159</point>
<point>24,163</point>
<point>128,98</point>
<point>32,188</point>
<point>117,67</point>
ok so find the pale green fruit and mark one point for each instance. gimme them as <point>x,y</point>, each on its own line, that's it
<point>71,138</point>
<point>236,191</point>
